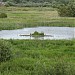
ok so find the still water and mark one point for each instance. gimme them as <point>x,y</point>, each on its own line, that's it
<point>55,32</point>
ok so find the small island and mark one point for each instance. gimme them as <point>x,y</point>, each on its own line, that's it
<point>37,34</point>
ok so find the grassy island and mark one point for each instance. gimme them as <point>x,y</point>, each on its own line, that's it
<point>37,34</point>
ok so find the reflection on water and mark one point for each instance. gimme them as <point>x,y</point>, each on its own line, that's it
<point>55,32</point>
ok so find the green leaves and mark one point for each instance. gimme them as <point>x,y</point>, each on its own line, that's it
<point>67,10</point>
<point>3,15</point>
<point>5,51</point>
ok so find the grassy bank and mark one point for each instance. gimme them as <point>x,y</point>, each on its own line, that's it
<point>40,57</point>
<point>20,17</point>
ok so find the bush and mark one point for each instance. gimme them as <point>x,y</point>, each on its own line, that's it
<point>37,34</point>
<point>3,15</point>
<point>67,10</point>
<point>7,5</point>
<point>5,51</point>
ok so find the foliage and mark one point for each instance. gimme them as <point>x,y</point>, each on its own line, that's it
<point>3,15</point>
<point>37,34</point>
<point>67,10</point>
<point>41,57</point>
<point>5,51</point>
<point>35,3</point>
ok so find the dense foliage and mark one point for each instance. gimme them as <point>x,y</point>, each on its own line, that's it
<point>3,15</point>
<point>38,2</point>
<point>41,57</point>
<point>67,10</point>
<point>5,51</point>
<point>23,1</point>
<point>37,34</point>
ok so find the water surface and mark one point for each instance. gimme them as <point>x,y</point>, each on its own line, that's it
<point>55,32</point>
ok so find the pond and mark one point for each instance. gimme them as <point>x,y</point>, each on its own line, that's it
<point>54,32</point>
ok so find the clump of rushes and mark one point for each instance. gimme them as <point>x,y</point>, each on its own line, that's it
<point>37,34</point>
<point>3,15</point>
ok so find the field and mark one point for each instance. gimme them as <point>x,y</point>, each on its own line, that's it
<point>40,57</point>
<point>37,57</point>
<point>21,17</point>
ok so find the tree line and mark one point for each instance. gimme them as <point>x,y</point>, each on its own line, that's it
<point>37,1</point>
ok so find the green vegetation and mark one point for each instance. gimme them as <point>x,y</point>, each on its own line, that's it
<point>36,3</point>
<point>37,57</point>
<point>36,34</point>
<point>67,10</point>
<point>5,51</point>
<point>3,15</point>
<point>20,17</point>
<point>40,57</point>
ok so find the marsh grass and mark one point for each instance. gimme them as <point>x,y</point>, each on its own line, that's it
<point>20,17</point>
<point>37,57</point>
<point>40,57</point>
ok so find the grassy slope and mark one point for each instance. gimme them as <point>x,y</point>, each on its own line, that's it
<point>20,17</point>
<point>41,57</point>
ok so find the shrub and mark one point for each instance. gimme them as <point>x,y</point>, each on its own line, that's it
<point>61,68</point>
<point>7,5</point>
<point>67,10</point>
<point>5,51</point>
<point>38,34</point>
<point>3,15</point>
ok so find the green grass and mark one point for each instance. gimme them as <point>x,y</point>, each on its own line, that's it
<point>20,17</point>
<point>40,57</point>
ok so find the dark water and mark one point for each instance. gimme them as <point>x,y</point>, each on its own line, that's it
<point>55,32</point>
